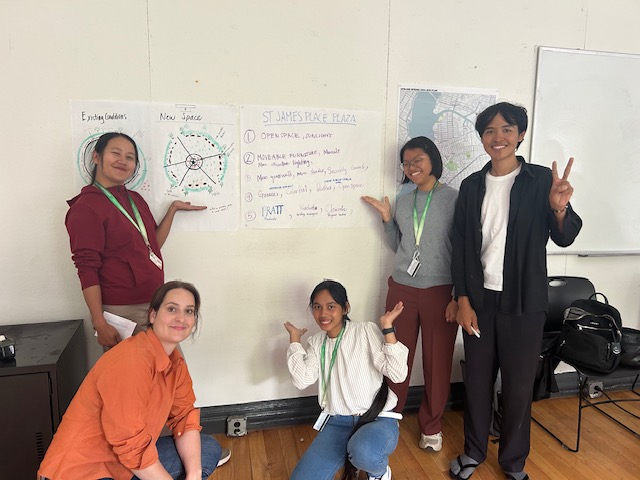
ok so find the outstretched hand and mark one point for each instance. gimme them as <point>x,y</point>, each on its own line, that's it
<point>386,320</point>
<point>295,333</point>
<point>180,205</point>
<point>382,207</point>
<point>561,189</point>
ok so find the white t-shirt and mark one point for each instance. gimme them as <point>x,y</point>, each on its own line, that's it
<point>494,217</point>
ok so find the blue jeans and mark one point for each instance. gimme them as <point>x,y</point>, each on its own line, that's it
<point>368,449</point>
<point>170,460</point>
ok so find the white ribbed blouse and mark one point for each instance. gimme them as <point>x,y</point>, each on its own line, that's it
<point>361,361</point>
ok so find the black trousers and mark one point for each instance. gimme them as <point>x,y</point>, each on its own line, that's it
<point>511,343</point>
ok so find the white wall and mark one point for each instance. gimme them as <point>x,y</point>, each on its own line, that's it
<point>331,54</point>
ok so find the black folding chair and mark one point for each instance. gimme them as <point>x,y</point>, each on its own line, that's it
<point>563,291</point>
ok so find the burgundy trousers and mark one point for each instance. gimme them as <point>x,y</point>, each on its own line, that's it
<point>423,313</point>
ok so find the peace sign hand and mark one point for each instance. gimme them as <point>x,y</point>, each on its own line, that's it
<point>561,189</point>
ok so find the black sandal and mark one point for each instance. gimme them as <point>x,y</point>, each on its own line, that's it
<point>511,477</point>
<point>463,467</point>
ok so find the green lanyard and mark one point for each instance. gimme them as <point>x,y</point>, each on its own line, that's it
<point>140,224</point>
<point>325,382</point>
<point>417,229</point>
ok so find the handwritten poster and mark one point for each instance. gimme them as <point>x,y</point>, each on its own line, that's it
<point>306,167</point>
<point>90,119</point>
<point>197,162</point>
<point>186,152</point>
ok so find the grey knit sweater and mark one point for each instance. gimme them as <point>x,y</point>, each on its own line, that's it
<point>435,244</point>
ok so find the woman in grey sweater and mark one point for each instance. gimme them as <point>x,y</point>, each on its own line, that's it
<point>420,235</point>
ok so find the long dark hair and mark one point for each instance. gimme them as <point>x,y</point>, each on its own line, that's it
<point>379,401</point>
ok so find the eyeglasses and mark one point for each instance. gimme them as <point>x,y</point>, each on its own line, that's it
<point>417,163</point>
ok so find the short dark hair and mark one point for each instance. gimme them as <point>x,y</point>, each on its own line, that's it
<point>161,292</point>
<point>100,144</point>
<point>337,292</point>
<point>513,114</point>
<point>427,146</point>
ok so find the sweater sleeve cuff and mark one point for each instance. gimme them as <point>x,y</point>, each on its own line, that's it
<point>88,279</point>
<point>389,226</point>
<point>295,347</point>
<point>394,348</point>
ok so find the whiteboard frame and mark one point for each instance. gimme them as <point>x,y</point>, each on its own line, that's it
<point>536,106</point>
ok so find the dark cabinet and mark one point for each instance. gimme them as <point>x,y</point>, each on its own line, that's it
<point>35,390</point>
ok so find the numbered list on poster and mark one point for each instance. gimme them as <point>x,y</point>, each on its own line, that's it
<point>308,168</point>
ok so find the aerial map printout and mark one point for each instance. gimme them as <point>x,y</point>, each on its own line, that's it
<point>447,116</point>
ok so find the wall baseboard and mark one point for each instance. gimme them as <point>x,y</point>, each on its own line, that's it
<point>296,411</point>
<point>303,410</point>
<point>568,383</point>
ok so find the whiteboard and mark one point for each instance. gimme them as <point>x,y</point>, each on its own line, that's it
<point>587,106</point>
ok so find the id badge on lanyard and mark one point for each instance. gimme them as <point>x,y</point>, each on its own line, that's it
<point>418,227</point>
<point>155,259</point>
<point>415,265</point>
<point>323,418</point>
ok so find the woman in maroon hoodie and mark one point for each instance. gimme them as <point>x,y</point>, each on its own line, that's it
<point>115,241</point>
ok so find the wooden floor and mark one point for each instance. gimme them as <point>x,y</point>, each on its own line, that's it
<point>607,451</point>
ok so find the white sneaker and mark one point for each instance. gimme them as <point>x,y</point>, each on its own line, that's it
<point>434,442</point>
<point>224,457</point>
<point>386,476</point>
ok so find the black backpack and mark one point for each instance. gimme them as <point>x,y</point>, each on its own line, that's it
<point>591,335</point>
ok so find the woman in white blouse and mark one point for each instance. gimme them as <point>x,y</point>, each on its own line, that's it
<point>357,427</point>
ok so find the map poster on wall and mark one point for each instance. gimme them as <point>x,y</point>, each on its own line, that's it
<point>186,152</point>
<point>307,167</point>
<point>447,116</point>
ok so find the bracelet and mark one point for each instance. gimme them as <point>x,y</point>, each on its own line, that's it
<point>561,210</point>
<point>389,330</point>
